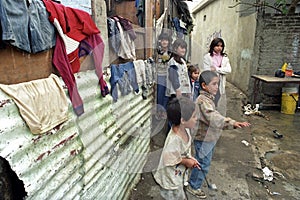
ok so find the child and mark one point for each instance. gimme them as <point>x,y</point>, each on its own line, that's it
<point>175,158</point>
<point>194,81</point>
<point>162,59</point>
<point>209,130</point>
<point>178,82</point>
<point>218,61</point>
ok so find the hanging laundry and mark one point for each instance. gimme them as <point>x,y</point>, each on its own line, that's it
<point>140,12</point>
<point>179,29</point>
<point>127,47</point>
<point>127,26</point>
<point>94,45</point>
<point>140,69</point>
<point>185,15</point>
<point>150,71</point>
<point>42,103</point>
<point>113,34</point>
<point>79,26</point>
<point>75,23</point>
<point>71,47</point>
<point>160,23</point>
<point>26,27</point>
<point>118,79</point>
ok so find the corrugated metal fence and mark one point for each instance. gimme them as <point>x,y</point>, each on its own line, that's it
<point>98,155</point>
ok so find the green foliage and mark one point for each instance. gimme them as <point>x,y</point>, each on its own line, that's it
<point>281,4</point>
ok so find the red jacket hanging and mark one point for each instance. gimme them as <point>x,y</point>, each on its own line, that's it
<point>78,25</point>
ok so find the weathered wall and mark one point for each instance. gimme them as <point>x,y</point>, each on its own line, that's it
<point>277,41</point>
<point>256,43</point>
<point>98,155</point>
<point>18,66</point>
<point>98,8</point>
<point>214,18</point>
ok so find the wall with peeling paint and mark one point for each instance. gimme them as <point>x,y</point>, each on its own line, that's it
<point>216,18</point>
<point>98,155</point>
<point>256,42</point>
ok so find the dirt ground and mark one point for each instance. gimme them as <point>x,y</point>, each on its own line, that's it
<point>237,168</point>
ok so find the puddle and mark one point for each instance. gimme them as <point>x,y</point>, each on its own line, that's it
<point>271,154</point>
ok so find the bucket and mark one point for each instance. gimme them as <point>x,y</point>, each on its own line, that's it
<point>289,100</point>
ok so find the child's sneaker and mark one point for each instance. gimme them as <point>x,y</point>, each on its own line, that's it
<point>198,193</point>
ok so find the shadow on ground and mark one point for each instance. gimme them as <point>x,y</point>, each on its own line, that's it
<point>237,168</point>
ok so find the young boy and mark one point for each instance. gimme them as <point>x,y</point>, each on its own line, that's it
<point>175,158</point>
<point>208,131</point>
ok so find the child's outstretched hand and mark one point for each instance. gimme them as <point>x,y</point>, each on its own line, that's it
<point>241,124</point>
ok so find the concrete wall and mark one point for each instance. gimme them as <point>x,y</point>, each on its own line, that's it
<point>256,42</point>
<point>214,18</point>
<point>98,8</point>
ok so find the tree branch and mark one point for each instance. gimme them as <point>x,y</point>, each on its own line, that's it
<point>258,5</point>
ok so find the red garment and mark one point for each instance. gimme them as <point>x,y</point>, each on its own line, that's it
<point>127,26</point>
<point>95,45</point>
<point>61,62</point>
<point>78,25</point>
<point>74,60</point>
<point>75,23</point>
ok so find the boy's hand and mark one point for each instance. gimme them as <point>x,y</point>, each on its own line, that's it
<point>178,93</point>
<point>241,124</point>
<point>196,163</point>
<point>191,162</point>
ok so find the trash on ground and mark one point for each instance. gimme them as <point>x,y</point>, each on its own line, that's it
<point>279,174</point>
<point>271,193</point>
<point>275,193</point>
<point>245,142</point>
<point>214,186</point>
<point>277,135</point>
<point>257,177</point>
<point>268,174</point>
<point>248,110</point>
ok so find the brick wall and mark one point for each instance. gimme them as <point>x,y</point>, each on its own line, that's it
<point>276,42</point>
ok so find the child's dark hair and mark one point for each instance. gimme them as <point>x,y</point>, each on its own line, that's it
<point>214,43</point>
<point>206,77</point>
<point>192,68</point>
<point>165,36</point>
<point>178,108</point>
<point>178,43</point>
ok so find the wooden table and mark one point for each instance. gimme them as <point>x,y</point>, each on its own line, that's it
<point>270,79</point>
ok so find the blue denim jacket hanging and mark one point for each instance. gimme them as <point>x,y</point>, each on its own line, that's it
<point>26,27</point>
<point>124,76</point>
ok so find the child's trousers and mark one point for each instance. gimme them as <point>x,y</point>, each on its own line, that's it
<point>203,153</point>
